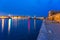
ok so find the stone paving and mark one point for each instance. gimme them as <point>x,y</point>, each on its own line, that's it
<point>49,31</point>
<point>42,33</point>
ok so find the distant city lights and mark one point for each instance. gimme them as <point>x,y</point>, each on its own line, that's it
<point>14,18</point>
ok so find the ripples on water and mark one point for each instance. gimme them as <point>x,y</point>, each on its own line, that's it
<point>19,29</point>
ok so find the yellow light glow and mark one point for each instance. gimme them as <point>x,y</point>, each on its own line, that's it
<point>55,17</point>
<point>19,17</point>
<point>2,17</point>
<point>2,24</point>
<point>16,17</point>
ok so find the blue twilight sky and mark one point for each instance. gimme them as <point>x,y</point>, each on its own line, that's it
<point>28,7</point>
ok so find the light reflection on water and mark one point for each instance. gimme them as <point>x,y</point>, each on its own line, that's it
<point>14,22</point>
<point>21,29</point>
<point>34,23</point>
<point>2,25</point>
<point>9,25</point>
<point>28,24</point>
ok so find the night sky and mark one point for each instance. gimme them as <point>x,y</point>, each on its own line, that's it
<point>28,7</point>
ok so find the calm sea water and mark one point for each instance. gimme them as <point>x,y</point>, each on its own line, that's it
<point>19,29</point>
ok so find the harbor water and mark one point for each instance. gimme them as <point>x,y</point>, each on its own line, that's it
<point>19,29</point>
